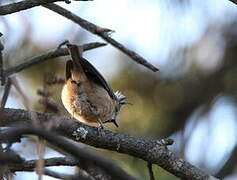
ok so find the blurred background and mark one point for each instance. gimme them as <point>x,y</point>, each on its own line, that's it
<point>193,97</point>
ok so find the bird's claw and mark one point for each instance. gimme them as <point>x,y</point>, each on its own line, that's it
<point>112,121</point>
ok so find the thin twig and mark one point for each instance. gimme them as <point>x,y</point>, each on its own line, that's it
<point>50,55</point>
<point>149,150</point>
<point>56,161</point>
<point>102,32</point>
<point>18,88</point>
<point>2,77</point>
<point>233,1</point>
<point>78,176</point>
<point>92,169</point>
<point>151,174</point>
<point>6,93</point>
<point>57,175</point>
<point>25,100</point>
<point>41,152</point>
<point>29,166</point>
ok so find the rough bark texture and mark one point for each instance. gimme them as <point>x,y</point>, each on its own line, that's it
<point>19,6</point>
<point>149,150</point>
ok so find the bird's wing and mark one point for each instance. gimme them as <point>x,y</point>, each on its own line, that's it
<point>69,66</point>
<point>94,75</point>
<point>86,67</point>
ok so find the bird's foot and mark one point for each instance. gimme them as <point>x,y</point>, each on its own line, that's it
<point>100,127</point>
<point>112,121</point>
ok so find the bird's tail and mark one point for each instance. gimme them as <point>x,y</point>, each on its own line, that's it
<point>121,100</point>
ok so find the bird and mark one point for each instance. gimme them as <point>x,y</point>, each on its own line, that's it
<point>86,95</point>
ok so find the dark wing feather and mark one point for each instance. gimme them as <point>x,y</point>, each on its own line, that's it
<point>69,66</point>
<point>96,77</point>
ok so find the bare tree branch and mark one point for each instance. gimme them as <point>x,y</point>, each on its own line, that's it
<point>5,94</point>
<point>233,1</point>
<point>152,151</point>
<point>78,176</point>
<point>52,54</point>
<point>10,157</point>
<point>87,156</point>
<point>102,32</point>
<point>22,5</point>
<point>151,174</point>
<point>57,161</point>
<point>2,78</point>
<point>92,169</point>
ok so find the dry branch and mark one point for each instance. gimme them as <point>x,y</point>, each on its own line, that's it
<point>50,55</point>
<point>233,1</point>
<point>22,5</point>
<point>78,176</point>
<point>86,156</point>
<point>152,151</point>
<point>31,164</point>
<point>92,169</point>
<point>6,93</point>
<point>150,170</point>
<point>102,32</point>
<point>1,62</point>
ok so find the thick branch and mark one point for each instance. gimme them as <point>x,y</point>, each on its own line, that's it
<point>85,155</point>
<point>149,150</point>
<point>52,54</point>
<point>22,5</point>
<point>102,32</point>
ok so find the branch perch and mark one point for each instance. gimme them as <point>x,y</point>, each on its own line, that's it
<point>50,55</point>
<point>87,156</point>
<point>152,151</point>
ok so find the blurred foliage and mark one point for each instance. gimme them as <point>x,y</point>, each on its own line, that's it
<point>163,102</point>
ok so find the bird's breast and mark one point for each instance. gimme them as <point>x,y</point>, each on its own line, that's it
<point>87,105</point>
